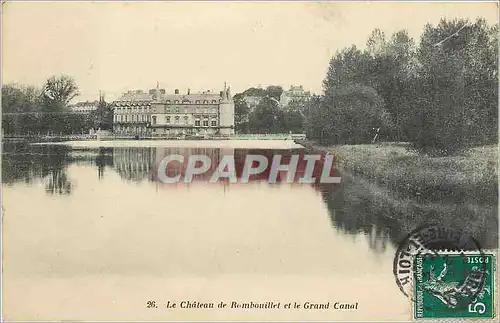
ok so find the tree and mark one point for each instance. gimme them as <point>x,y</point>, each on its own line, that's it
<point>293,121</point>
<point>352,118</point>
<point>442,96</point>
<point>241,113</point>
<point>19,107</point>
<point>58,92</point>
<point>267,118</point>
<point>274,91</point>
<point>457,87</point>
<point>102,117</point>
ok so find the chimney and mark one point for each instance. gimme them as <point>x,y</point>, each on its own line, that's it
<point>221,93</point>
<point>176,91</point>
<point>189,91</point>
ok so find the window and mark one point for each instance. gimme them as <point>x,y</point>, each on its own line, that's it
<point>205,102</point>
<point>197,101</point>
<point>205,123</point>
<point>214,101</point>
<point>176,101</point>
<point>167,109</point>
<point>197,123</point>
<point>168,101</point>
<point>153,118</point>
<point>185,119</point>
<point>143,118</point>
<point>126,118</point>
<point>177,120</point>
<point>177,110</point>
<point>167,119</point>
<point>206,110</point>
<point>214,123</point>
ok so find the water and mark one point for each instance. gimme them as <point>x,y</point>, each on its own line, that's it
<point>91,234</point>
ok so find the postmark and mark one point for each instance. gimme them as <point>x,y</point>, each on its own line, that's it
<point>444,272</point>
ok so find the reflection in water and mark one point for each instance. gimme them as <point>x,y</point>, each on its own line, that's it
<point>133,163</point>
<point>355,206</point>
<point>360,206</point>
<point>21,162</point>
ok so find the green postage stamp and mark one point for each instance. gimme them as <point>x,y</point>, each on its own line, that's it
<point>454,285</point>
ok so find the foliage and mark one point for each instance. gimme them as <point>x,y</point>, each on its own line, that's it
<point>268,116</point>
<point>352,105</point>
<point>28,110</point>
<point>102,117</point>
<point>440,95</point>
<point>58,92</point>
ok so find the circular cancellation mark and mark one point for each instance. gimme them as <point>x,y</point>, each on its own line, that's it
<point>435,258</point>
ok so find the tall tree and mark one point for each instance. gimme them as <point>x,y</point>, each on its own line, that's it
<point>58,92</point>
<point>241,113</point>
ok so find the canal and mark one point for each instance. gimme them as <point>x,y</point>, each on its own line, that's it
<point>89,233</point>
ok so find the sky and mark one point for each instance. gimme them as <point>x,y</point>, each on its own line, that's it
<point>118,46</point>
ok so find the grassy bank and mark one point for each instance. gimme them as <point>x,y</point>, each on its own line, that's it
<point>471,176</point>
<point>393,182</point>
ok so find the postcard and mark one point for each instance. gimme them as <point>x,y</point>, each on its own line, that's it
<point>249,161</point>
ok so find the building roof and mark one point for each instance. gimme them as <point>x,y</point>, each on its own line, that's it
<point>192,98</point>
<point>84,103</point>
<point>120,103</point>
<point>138,97</point>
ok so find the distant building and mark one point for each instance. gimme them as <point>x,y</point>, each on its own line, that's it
<point>159,113</point>
<point>84,107</point>
<point>87,106</point>
<point>294,94</point>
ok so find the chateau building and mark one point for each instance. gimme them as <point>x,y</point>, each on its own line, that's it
<point>132,113</point>
<point>160,113</point>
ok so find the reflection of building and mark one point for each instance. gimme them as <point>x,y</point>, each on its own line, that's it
<point>142,163</point>
<point>133,163</point>
<point>295,94</point>
<point>216,155</point>
<point>159,113</point>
